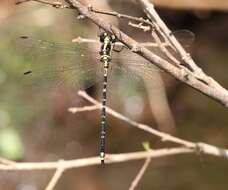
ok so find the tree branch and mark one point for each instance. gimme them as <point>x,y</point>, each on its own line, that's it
<point>110,158</point>
<point>186,72</point>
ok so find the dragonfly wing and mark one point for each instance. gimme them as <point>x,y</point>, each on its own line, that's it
<point>55,75</point>
<point>55,64</point>
<point>136,69</point>
<point>185,37</point>
<point>135,72</point>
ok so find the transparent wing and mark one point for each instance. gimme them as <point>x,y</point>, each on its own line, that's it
<point>185,37</point>
<point>134,73</point>
<point>51,64</point>
<point>55,64</point>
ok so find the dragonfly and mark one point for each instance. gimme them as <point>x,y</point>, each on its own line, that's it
<point>72,67</point>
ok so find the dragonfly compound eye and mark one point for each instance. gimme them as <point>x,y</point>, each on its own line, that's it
<point>103,35</point>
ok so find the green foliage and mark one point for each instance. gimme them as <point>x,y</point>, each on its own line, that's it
<point>10,144</point>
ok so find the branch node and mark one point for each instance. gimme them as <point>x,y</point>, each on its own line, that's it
<point>90,7</point>
<point>140,26</point>
<point>135,48</point>
<point>166,137</point>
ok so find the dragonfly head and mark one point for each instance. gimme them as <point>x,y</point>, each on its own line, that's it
<point>106,36</point>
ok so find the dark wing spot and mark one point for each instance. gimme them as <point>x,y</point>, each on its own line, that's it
<point>24,37</point>
<point>27,72</point>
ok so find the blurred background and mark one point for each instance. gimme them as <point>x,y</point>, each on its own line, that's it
<point>36,126</point>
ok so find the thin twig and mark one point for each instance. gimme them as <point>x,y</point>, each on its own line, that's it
<point>163,136</point>
<point>200,147</point>
<point>114,158</point>
<point>110,158</point>
<point>21,1</point>
<point>57,175</point>
<point>119,15</point>
<point>140,26</point>
<point>88,40</point>
<point>84,108</point>
<point>140,174</point>
<point>55,4</point>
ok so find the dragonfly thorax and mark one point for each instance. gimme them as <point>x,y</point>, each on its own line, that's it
<point>106,47</point>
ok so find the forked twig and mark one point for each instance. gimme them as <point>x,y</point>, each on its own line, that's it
<point>119,15</point>
<point>198,147</point>
<point>57,175</point>
<point>140,174</point>
<point>149,26</point>
<point>163,136</point>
